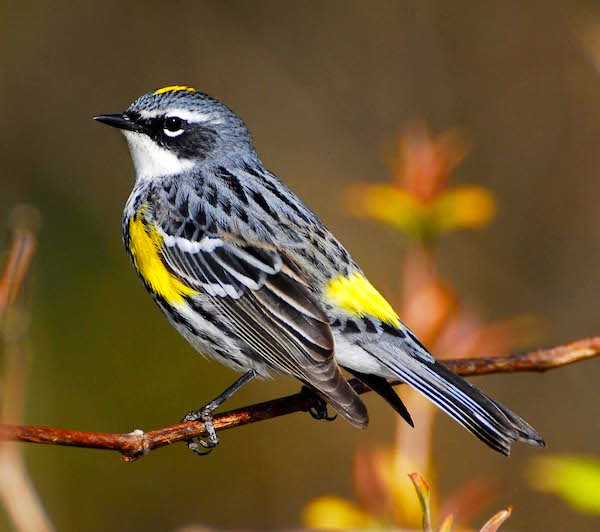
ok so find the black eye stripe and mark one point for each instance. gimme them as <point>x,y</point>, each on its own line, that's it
<point>194,143</point>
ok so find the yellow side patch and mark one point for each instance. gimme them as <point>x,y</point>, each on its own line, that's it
<point>174,88</point>
<point>145,244</point>
<point>357,296</point>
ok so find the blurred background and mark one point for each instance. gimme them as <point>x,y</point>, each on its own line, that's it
<point>328,90</point>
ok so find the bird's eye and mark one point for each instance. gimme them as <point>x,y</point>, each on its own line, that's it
<point>173,126</point>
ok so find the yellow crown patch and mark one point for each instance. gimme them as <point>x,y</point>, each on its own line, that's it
<point>174,88</point>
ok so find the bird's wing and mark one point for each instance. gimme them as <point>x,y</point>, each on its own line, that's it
<point>263,296</point>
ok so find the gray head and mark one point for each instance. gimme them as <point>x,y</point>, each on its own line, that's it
<point>176,128</point>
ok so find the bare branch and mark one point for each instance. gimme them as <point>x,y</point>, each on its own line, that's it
<point>23,246</point>
<point>17,491</point>
<point>138,443</point>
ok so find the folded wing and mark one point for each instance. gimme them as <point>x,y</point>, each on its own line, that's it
<point>267,301</point>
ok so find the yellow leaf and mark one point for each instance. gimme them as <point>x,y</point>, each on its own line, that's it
<point>576,479</point>
<point>334,513</point>
<point>447,524</point>
<point>393,468</point>
<point>464,207</point>
<point>384,203</point>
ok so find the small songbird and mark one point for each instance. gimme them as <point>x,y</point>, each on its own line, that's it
<point>249,275</point>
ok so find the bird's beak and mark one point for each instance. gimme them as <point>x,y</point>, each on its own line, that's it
<point>120,121</point>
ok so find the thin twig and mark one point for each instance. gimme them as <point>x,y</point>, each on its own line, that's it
<point>138,443</point>
<point>17,491</point>
<point>23,246</point>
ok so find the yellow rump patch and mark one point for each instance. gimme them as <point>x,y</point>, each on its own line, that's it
<point>145,244</point>
<point>357,296</point>
<point>174,88</point>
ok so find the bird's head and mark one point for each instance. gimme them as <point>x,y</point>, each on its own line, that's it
<point>175,128</point>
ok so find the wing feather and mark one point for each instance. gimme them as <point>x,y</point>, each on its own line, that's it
<point>269,303</point>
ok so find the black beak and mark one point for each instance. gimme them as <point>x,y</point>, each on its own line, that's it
<point>119,120</point>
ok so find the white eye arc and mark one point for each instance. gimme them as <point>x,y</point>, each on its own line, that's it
<point>173,133</point>
<point>173,126</point>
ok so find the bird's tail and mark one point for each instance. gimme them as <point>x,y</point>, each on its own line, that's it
<point>341,396</point>
<point>487,419</point>
<point>384,389</point>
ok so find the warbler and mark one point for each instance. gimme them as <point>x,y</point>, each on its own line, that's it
<point>249,275</point>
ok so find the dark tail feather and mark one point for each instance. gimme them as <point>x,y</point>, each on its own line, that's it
<point>491,422</point>
<point>525,431</point>
<point>341,396</point>
<point>384,389</point>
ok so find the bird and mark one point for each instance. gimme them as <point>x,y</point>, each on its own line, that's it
<point>250,276</point>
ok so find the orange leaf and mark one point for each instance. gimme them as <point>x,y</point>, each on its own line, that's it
<point>496,521</point>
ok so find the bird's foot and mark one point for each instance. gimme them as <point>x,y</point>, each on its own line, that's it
<point>205,415</point>
<point>319,409</point>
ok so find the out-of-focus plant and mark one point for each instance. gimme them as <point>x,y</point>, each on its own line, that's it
<point>18,496</point>
<point>573,478</point>
<point>421,203</point>
<point>335,513</point>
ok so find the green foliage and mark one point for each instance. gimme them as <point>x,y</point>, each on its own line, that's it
<point>423,494</point>
<point>575,479</point>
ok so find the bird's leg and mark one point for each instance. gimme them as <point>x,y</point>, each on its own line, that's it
<point>319,410</point>
<point>205,414</point>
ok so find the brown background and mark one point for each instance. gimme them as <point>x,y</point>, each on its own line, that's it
<point>324,87</point>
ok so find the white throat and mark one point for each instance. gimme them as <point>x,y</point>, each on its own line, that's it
<point>151,160</point>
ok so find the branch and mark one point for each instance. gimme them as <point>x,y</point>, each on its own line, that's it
<point>138,443</point>
<point>17,491</point>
